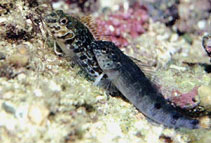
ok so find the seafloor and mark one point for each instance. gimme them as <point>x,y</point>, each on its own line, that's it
<point>45,99</point>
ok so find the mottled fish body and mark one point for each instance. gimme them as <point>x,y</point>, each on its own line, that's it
<point>133,84</point>
<point>73,39</point>
<point>105,64</point>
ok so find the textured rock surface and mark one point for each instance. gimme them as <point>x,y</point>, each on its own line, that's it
<point>43,99</point>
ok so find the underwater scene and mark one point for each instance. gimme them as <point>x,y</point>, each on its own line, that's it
<point>105,71</point>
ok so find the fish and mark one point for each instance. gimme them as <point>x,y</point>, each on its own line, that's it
<point>111,69</point>
<point>128,78</point>
<point>72,39</point>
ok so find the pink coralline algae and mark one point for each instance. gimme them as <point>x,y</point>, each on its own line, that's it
<point>123,25</point>
<point>186,100</point>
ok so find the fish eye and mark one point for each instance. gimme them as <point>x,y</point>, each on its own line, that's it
<point>63,21</point>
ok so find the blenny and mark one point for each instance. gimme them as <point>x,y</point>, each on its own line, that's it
<point>104,63</point>
<point>133,84</point>
<point>73,37</point>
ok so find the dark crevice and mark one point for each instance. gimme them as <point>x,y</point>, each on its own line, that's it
<point>207,68</point>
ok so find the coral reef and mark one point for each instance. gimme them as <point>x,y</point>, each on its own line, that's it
<point>44,99</point>
<point>122,25</point>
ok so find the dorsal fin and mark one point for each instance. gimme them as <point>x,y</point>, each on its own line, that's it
<point>93,27</point>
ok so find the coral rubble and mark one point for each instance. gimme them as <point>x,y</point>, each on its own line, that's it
<point>44,99</point>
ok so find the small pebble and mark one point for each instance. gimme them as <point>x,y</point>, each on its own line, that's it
<point>8,107</point>
<point>37,114</point>
<point>21,58</point>
<point>204,93</point>
<point>174,37</point>
<point>205,122</point>
<point>18,60</point>
<point>201,24</point>
<point>22,49</point>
